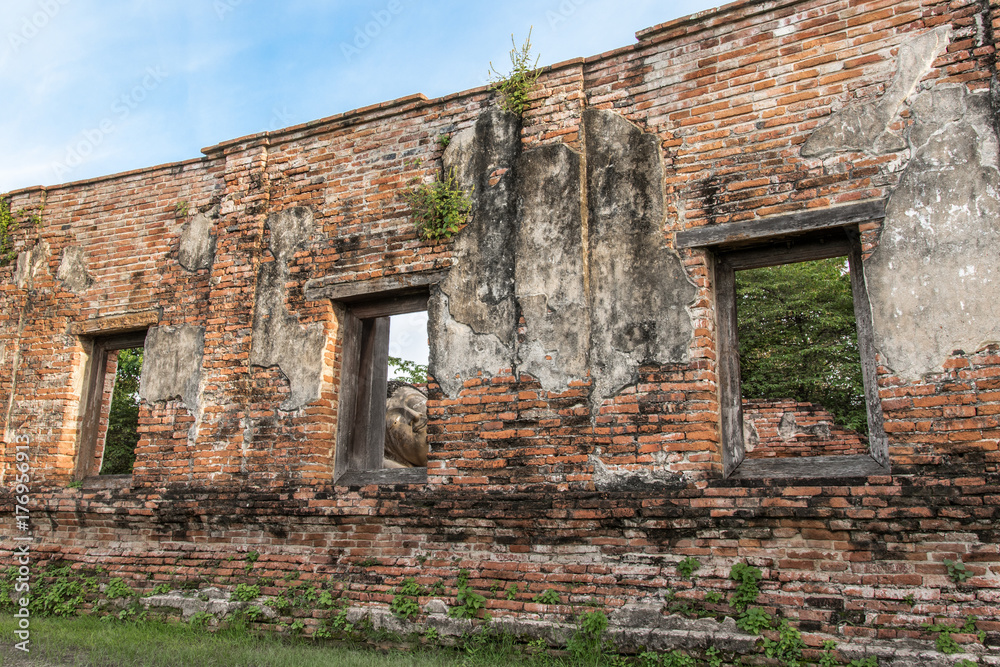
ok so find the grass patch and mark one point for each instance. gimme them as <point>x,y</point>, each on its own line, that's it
<point>87,641</point>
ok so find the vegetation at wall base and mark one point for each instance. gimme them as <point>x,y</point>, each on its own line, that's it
<point>439,208</point>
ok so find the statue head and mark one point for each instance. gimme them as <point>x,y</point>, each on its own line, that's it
<point>406,428</point>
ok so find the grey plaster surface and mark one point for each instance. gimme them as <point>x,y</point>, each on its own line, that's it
<point>197,243</point>
<point>934,279</point>
<point>72,272</point>
<point>277,337</point>
<point>638,288</point>
<point>171,365</point>
<point>865,125</point>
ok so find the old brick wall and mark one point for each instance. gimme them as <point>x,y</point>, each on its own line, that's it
<point>793,428</point>
<point>596,499</point>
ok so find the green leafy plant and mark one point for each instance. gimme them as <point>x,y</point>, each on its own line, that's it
<point>76,484</point>
<point>181,209</point>
<point>548,596</point>
<point>829,656</point>
<point>587,643</point>
<point>788,647</point>
<point>714,657</point>
<point>515,87</point>
<point>439,208</point>
<point>686,568</point>
<point>444,140</point>
<point>946,644</point>
<point>511,593</point>
<point>469,603</point>
<point>407,371</point>
<point>747,578</point>
<point>246,592</point>
<point>870,661</point>
<point>957,571</point>
<point>910,600</point>
<point>10,222</point>
<point>254,613</point>
<point>160,589</point>
<point>117,588</point>
<point>200,619</point>
<point>714,597</point>
<point>754,621</point>
<point>965,662</point>
<point>404,605</point>
<point>297,627</point>
<point>252,557</point>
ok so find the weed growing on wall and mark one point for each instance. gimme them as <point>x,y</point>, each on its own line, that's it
<point>548,596</point>
<point>957,571</point>
<point>587,643</point>
<point>687,567</point>
<point>515,87</point>
<point>468,602</point>
<point>440,208</point>
<point>10,222</point>
<point>747,578</point>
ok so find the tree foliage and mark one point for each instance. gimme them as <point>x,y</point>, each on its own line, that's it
<point>798,339</point>
<point>406,370</point>
<point>123,417</point>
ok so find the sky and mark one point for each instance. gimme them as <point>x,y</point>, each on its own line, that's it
<point>93,88</point>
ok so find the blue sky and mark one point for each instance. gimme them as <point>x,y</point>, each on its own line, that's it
<point>93,88</point>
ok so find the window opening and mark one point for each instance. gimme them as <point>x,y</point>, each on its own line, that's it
<point>383,422</point>
<point>802,385</point>
<point>741,438</point>
<point>121,431</point>
<point>109,429</point>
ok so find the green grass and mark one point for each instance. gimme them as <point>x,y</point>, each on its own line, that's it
<point>87,641</point>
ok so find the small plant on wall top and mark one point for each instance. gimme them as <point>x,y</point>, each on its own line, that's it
<point>515,87</point>
<point>439,208</point>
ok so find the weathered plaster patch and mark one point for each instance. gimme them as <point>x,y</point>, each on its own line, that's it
<point>197,243</point>
<point>788,428</point>
<point>277,338</point>
<point>639,478</point>
<point>638,288</point>
<point>171,365</point>
<point>29,263</point>
<point>934,279</point>
<point>478,311</point>
<point>549,272</point>
<point>72,270</point>
<point>864,126</point>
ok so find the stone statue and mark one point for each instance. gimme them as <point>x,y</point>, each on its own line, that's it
<point>405,428</point>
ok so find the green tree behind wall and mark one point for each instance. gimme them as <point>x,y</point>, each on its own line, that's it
<point>123,417</point>
<point>798,338</point>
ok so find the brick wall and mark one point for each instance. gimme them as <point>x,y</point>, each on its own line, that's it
<point>791,428</point>
<point>511,494</point>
